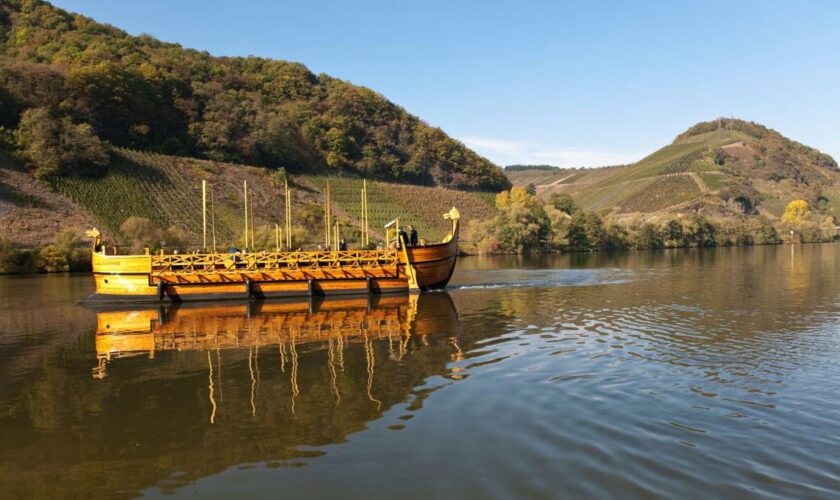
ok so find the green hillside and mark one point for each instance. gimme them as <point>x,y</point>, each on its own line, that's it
<point>66,76</point>
<point>167,191</point>
<point>420,206</point>
<point>725,168</point>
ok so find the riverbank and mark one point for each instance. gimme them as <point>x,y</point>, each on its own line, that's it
<point>72,257</point>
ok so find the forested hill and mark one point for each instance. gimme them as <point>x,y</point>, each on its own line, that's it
<point>69,85</point>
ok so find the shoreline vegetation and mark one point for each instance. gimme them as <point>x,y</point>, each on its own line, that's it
<point>524,224</point>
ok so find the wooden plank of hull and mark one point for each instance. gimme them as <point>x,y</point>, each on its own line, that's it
<point>136,288</point>
<point>122,264</point>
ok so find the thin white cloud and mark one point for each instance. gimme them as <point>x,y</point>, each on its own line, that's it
<point>494,146</point>
<point>585,158</point>
<point>507,152</point>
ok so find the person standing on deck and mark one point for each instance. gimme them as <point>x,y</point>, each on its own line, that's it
<point>342,245</point>
<point>401,236</point>
<point>412,236</point>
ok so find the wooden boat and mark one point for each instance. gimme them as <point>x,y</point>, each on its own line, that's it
<point>207,276</point>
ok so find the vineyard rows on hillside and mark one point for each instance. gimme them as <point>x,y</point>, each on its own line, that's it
<point>608,196</point>
<point>167,191</point>
<point>420,206</point>
<point>664,192</point>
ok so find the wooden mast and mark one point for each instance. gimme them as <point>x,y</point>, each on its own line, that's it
<point>253,221</point>
<point>213,218</point>
<point>327,216</point>
<point>245,188</point>
<point>288,215</point>
<point>204,212</point>
<point>364,216</point>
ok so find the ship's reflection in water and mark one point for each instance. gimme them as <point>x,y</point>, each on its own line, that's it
<point>267,378</point>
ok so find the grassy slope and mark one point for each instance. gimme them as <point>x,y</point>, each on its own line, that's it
<point>31,213</point>
<point>684,174</point>
<point>167,190</point>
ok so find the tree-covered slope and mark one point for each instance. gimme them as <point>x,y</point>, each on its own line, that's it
<point>91,81</point>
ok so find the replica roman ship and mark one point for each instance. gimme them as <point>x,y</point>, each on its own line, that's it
<point>208,275</point>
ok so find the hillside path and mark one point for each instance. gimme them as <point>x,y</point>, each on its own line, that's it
<point>702,185</point>
<point>558,181</point>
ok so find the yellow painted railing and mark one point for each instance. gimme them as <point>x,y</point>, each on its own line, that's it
<point>272,261</point>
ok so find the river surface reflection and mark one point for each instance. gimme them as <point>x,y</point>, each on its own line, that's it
<point>649,374</point>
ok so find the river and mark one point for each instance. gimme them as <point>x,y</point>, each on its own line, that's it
<point>684,373</point>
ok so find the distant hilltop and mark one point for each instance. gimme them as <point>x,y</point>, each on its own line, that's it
<point>66,79</point>
<point>724,168</point>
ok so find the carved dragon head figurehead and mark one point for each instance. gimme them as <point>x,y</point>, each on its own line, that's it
<point>453,214</point>
<point>96,236</point>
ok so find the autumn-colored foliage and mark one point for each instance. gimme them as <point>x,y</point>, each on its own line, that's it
<point>796,212</point>
<point>98,82</point>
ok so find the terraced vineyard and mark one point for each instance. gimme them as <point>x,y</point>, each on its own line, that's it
<point>606,197</point>
<point>167,191</point>
<point>667,178</point>
<point>418,205</point>
<point>346,193</point>
<point>664,192</point>
<point>138,186</point>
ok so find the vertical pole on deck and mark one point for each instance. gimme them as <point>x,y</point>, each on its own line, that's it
<point>288,216</point>
<point>276,237</point>
<point>245,188</point>
<point>365,228</point>
<point>253,221</point>
<point>204,212</point>
<point>367,217</point>
<point>213,218</point>
<point>327,221</point>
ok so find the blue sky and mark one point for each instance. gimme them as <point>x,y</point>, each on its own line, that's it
<point>581,83</point>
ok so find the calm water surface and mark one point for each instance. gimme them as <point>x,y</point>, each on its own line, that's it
<point>701,373</point>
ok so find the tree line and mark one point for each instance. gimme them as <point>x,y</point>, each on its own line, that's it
<point>526,224</point>
<point>70,86</point>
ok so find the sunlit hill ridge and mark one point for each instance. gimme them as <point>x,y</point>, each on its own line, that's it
<point>723,168</point>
